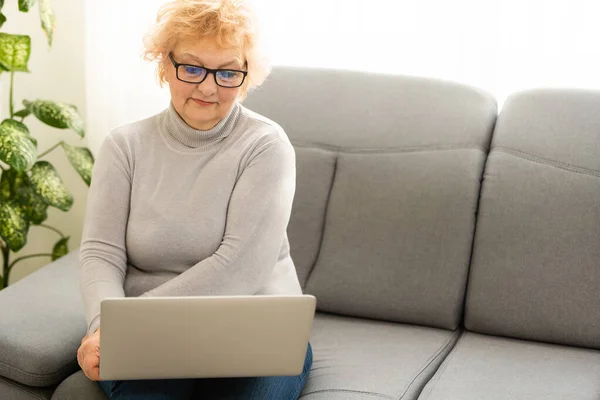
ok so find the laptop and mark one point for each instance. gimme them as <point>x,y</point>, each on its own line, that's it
<point>204,337</point>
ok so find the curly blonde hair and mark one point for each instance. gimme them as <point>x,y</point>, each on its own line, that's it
<point>230,22</point>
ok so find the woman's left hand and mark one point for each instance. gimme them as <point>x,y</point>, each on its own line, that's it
<point>88,355</point>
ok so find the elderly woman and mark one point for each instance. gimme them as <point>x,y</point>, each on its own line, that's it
<point>195,200</point>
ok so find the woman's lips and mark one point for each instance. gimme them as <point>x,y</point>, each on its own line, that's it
<point>203,103</point>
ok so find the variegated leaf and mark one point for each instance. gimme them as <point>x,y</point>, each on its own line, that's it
<point>37,209</point>
<point>12,183</point>
<point>48,185</point>
<point>13,226</point>
<point>6,185</point>
<point>60,249</point>
<point>48,19</point>
<point>16,187</point>
<point>17,148</point>
<point>14,52</point>
<point>81,159</point>
<point>25,5</point>
<point>57,115</point>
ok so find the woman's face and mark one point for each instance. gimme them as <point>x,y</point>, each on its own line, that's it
<point>202,105</point>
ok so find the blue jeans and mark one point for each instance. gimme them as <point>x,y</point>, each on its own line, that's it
<point>259,388</point>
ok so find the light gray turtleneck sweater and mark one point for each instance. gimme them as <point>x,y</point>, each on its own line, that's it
<point>174,211</point>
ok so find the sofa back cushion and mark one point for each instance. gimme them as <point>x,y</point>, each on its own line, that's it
<point>388,174</point>
<point>536,262</point>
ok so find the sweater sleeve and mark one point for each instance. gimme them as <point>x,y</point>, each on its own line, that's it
<point>257,217</point>
<point>102,256</point>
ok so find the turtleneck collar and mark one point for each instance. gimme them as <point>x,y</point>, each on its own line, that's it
<point>183,137</point>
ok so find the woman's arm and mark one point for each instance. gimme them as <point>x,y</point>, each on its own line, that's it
<point>257,217</point>
<point>102,254</point>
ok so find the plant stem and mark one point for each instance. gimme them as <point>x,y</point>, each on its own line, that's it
<point>26,257</point>
<point>5,266</point>
<point>52,229</point>
<point>12,81</point>
<point>50,149</point>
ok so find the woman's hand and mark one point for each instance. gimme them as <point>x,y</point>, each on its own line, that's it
<point>88,355</point>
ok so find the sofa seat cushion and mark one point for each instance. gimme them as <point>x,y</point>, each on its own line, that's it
<point>11,390</point>
<point>42,325</point>
<point>493,368</point>
<point>77,387</point>
<point>365,359</point>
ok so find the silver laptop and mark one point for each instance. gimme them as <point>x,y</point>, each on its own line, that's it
<point>201,337</point>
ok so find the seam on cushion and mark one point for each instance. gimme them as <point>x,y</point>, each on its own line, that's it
<point>21,388</point>
<point>547,161</point>
<point>33,375</point>
<point>335,167</point>
<point>466,284</point>
<point>391,149</point>
<point>431,360</point>
<point>440,372</point>
<point>383,396</point>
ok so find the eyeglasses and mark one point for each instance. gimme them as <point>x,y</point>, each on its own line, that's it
<point>228,78</point>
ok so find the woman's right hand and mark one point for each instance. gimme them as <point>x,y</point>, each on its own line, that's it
<point>88,355</point>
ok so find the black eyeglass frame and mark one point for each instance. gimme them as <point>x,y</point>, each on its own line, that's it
<point>208,72</point>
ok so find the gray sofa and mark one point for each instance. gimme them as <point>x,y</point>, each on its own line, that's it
<point>454,252</point>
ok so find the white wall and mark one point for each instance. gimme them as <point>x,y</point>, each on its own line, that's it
<point>56,74</point>
<point>121,87</point>
<point>499,45</point>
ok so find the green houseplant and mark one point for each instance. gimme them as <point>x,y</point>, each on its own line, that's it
<point>28,184</point>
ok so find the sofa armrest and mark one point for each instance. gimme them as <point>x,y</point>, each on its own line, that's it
<point>41,324</point>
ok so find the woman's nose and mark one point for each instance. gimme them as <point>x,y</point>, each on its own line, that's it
<point>208,86</point>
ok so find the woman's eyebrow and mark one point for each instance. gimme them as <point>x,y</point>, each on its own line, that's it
<point>199,61</point>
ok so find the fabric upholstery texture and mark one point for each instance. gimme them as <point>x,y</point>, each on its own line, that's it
<point>351,109</point>
<point>398,249</point>
<point>78,387</point>
<point>37,348</point>
<point>314,175</point>
<point>362,359</point>
<point>535,273</point>
<point>492,368</point>
<point>559,125</point>
<point>11,390</point>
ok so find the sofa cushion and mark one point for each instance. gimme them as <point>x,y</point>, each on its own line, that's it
<point>369,110</point>
<point>535,271</point>
<point>77,387</point>
<point>42,325</point>
<point>11,390</point>
<point>409,155</point>
<point>314,174</point>
<point>365,359</point>
<point>492,368</point>
<point>398,249</point>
